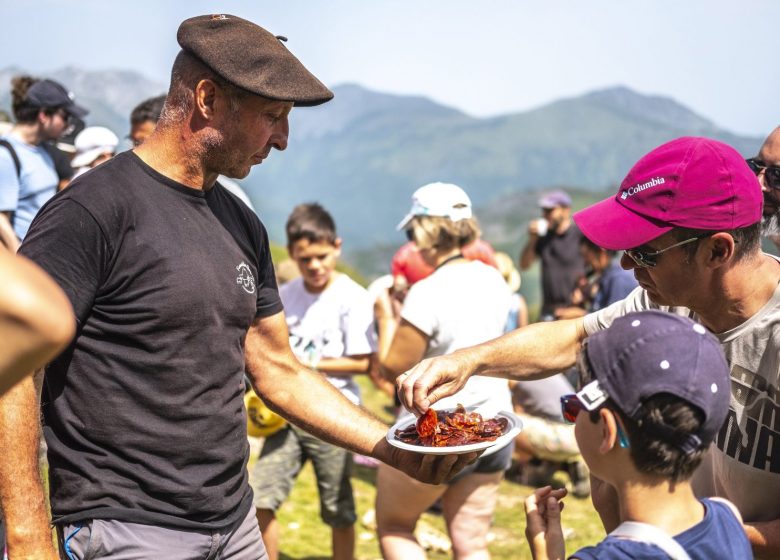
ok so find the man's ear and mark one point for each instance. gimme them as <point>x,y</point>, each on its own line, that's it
<point>205,99</point>
<point>720,249</point>
<point>609,431</point>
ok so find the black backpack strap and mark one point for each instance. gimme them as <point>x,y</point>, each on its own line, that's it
<point>7,145</point>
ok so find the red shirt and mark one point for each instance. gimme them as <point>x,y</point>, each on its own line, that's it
<point>408,263</point>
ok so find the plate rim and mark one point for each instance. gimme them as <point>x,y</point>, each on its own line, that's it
<point>516,426</point>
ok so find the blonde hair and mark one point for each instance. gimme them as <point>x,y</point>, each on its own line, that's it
<point>436,232</point>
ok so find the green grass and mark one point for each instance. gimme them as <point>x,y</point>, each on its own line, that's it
<point>304,536</point>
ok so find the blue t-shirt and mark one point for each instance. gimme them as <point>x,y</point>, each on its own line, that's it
<point>37,182</point>
<point>615,284</point>
<point>719,535</point>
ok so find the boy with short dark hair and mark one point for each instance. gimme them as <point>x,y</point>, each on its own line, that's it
<point>655,394</point>
<point>330,319</point>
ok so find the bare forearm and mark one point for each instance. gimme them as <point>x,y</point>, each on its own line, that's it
<point>570,312</point>
<point>346,366</point>
<point>764,538</point>
<point>36,319</point>
<point>7,234</point>
<point>528,254</point>
<point>532,352</point>
<point>386,327</point>
<point>21,490</point>
<point>308,400</point>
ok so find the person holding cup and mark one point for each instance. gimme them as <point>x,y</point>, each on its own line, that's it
<point>554,239</point>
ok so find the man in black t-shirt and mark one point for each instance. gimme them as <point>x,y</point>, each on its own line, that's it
<point>171,281</point>
<point>555,240</point>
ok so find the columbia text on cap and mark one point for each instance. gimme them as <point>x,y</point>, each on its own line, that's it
<point>690,182</point>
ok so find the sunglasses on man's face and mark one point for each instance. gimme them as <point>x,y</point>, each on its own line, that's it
<point>771,172</point>
<point>648,259</point>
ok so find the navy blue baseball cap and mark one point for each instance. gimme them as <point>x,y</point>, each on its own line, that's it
<point>48,93</point>
<point>652,352</point>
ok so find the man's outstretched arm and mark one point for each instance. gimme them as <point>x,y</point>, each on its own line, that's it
<point>533,352</point>
<point>308,400</point>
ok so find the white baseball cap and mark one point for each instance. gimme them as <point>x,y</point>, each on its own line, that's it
<point>91,143</point>
<point>439,199</point>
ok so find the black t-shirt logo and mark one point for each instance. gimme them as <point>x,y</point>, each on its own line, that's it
<point>245,278</point>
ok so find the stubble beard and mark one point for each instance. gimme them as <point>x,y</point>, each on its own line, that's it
<point>770,225</point>
<point>219,156</point>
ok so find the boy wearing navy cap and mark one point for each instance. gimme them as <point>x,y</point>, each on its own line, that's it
<point>655,392</point>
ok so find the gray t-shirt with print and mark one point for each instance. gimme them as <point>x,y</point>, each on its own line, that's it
<point>743,464</point>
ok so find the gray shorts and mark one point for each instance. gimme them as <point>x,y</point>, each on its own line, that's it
<point>122,540</point>
<point>283,456</point>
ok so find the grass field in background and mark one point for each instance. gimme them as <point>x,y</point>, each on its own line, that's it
<point>304,536</point>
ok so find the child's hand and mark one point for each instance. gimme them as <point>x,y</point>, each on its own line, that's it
<point>543,524</point>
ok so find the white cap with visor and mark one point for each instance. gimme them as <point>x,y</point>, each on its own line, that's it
<point>439,199</point>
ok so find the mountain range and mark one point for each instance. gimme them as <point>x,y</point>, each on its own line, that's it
<point>364,153</point>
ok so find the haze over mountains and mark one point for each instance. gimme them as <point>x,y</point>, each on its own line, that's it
<point>364,153</point>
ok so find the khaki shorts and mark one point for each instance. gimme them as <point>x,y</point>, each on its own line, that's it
<point>553,441</point>
<point>282,458</point>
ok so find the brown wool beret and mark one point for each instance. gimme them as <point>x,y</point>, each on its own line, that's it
<point>250,57</point>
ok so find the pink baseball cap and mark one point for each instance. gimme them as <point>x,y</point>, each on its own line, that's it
<point>689,182</point>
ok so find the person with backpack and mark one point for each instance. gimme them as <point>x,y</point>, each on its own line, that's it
<point>28,177</point>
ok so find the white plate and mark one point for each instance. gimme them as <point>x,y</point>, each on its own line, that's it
<point>514,426</point>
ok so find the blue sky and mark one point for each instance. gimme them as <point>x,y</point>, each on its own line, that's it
<point>483,57</point>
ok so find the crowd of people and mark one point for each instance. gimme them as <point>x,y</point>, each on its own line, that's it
<point>141,311</point>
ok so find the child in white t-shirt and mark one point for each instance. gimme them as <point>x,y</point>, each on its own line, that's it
<point>330,320</point>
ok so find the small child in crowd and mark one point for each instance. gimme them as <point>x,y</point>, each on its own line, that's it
<point>330,319</point>
<point>655,393</point>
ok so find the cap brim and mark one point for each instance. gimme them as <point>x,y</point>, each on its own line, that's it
<point>403,223</point>
<point>76,110</point>
<point>89,156</point>
<point>612,226</point>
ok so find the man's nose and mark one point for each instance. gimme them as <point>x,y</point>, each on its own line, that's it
<point>281,133</point>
